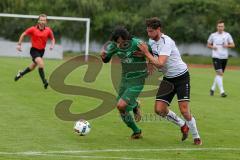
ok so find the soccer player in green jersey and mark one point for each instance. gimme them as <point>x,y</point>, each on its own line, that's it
<point>134,72</point>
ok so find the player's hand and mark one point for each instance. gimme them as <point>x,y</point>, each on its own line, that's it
<point>19,47</point>
<point>150,68</point>
<point>214,48</point>
<point>143,47</point>
<point>103,54</point>
<point>138,54</point>
<point>225,46</point>
<point>51,47</point>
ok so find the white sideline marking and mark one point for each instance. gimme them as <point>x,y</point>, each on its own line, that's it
<point>71,152</point>
<point>121,150</point>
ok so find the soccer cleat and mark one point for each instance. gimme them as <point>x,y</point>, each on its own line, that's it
<point>223,95</point>
<point>197,141</point>
<point>211,92</point>
<point>18,76</point>
<point>184,130</point>
<point>137,135</point>
<point>137,113</point>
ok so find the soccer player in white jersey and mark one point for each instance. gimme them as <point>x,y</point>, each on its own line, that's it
<point>167,58</point>
<point>219,42</point>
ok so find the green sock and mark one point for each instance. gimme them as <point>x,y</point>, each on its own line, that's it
<point>128,120</point>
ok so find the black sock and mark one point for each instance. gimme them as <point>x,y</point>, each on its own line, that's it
<point>42,75</point>
<point>25,71</point>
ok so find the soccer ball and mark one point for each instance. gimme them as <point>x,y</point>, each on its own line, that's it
<point>82,127</point>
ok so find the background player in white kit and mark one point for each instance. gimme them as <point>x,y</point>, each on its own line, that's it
<point>175,72</point>
<point>219,42</point>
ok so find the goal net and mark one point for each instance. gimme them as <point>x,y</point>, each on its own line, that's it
<point>71,34</point>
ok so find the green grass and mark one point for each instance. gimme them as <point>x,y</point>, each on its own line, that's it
<point>29,128</point>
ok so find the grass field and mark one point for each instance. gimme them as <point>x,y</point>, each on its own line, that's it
<point>29,128</point>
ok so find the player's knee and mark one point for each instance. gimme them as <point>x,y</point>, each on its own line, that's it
<point>161,108</point>
<point>219,72</point>
<point>121,107</point>
<point>39,62</point>
<point>160,111</point>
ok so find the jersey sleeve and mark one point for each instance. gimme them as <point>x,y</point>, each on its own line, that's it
<point>210,39</point>
<point>50,35</point>
<point>29,31</point>
<point>230,39</point>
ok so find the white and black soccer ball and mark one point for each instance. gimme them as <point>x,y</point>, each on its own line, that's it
<point>82,127</point>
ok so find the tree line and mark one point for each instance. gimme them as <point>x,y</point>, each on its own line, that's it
<point>186,21</point>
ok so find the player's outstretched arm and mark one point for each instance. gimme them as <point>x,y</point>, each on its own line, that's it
<point>19,45</point>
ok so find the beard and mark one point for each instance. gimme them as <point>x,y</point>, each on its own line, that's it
<point>156,37</point>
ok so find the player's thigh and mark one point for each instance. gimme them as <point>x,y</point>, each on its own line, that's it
<point>224,64</point>
<point>39,62</point>
<point>217,64</point>
<point>122,88</point>
<point>183,92</point>
<point>166,92</point>
<point>130,96</point>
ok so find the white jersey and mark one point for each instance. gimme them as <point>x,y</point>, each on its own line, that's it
<point>218,40</point>
<point>174,66</point>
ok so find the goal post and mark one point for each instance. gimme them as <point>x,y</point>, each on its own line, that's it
<point>86,20</point>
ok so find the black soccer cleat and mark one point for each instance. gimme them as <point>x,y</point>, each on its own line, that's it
<point>137,135</point>
<point>223,95</point>
<point>18,76</point>
<point>211,92</point>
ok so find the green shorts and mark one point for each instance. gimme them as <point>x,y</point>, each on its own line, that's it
<point>129,90</point>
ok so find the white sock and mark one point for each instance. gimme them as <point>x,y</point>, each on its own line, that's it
<point>172,117</point>
<point>214,84</point>
<point>193,128</point>
<point>220,83</point>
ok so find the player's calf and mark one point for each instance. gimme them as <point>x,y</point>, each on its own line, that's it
<point>137,112</point>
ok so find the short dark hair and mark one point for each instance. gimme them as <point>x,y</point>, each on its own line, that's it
<point>120,31</point>
<point>153,23</point>
<point>220,21</point>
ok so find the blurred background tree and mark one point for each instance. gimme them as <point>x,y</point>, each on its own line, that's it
<point>186,21</point>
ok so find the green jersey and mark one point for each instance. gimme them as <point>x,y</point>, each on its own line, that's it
<point>132,66</point>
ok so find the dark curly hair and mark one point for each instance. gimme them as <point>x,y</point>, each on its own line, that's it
<point>120,31</point>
